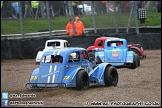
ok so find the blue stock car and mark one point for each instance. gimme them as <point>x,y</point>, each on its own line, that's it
<point>116,53</point>
<point>71,67</point>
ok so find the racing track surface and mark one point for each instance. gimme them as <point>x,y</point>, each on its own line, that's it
<point>141,85</point>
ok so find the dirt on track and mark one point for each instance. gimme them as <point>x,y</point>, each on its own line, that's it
<point>140,86</point>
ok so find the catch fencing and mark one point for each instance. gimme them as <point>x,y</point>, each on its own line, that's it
<point>56,14</point>
<point>50,20</point>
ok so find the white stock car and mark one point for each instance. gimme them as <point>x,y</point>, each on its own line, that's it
<point>51,44</point>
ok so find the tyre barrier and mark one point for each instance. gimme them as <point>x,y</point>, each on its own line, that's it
<point>28,48</point>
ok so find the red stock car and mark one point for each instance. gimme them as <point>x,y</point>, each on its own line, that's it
<point>131,47</point>
<point>137,49</point>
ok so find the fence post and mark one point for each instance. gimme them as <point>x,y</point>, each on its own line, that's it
<point>135,17</point>
<point>42,9</point>
<point>94,25</point>
<point>83,8</point>
<point>115,18</point>
<point>72,17</point>
<point>129,19</point>
<point>48,15</point>
<point>21,20</point>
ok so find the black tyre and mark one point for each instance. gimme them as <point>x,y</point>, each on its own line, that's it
<point>134,51</point>
<point>110,76</point>
<point>138,60</point>
<point>135,62</point>
<point>82,80</point>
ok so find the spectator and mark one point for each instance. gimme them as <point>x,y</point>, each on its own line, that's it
<point>97,7</point>
<point>75,9</point>
<point>103,6</point>
<point>69,28</point>
<point>116,9</point>
<point>120,5</point>
<point>35,5</point>
<point>16,7</point>
<point>8,9</point>
<point>100,7</point>
<point>139,4</point>
<point>131,4</point>
<point>79,26</point>
<point>57,8</point>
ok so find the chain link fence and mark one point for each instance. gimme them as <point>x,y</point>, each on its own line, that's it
<point>98,14</point>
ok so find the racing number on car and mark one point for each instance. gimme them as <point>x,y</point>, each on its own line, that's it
<point>86,69</point>
<point>66,77</point>
<point>33,77</point>
<point>115,54</point>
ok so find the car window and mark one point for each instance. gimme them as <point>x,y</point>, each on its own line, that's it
<point>74,57</point>
<point>84,55</point>
<point>46,59</point>
<point>100,43</point>
<point>53,43</point>
<point>67,44</point>
<point>57,59</point>
<point>52,59</point>
<point>64,44</point>
<point>113,44</point>
<point>120,43</point>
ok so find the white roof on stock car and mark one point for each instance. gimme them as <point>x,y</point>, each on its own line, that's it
<point>63,50</point>
<point>52,40</point>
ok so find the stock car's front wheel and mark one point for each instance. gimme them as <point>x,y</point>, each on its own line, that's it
<point>82,80</point>
<point>110,76</point>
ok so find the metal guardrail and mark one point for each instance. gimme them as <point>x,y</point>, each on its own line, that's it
<point>56,33</point>
<point>39,34</point>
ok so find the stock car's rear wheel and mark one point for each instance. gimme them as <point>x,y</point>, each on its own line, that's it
<point>110,76</point>
<point>82,80</point>
<point>138,54</point>
<point>138,60</point>
<point>134,51</point>
<point>135,62</point>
